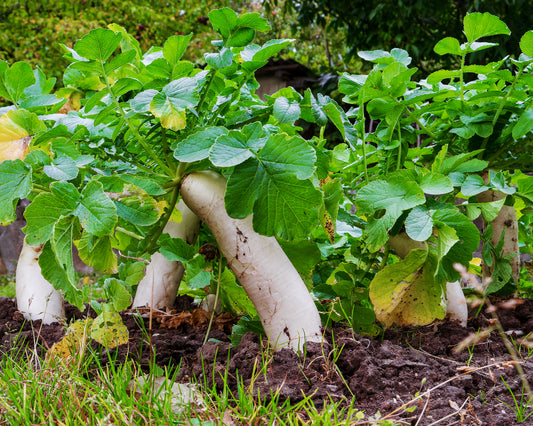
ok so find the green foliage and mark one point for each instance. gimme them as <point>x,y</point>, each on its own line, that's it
<point>106,177</point>
<point>414,26</point>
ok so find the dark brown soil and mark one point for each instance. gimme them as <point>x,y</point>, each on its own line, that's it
<point>383,374</point>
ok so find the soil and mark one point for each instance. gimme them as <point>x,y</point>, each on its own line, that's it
<point>383,375</point>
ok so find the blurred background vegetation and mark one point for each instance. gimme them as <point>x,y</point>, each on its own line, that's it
<point>328,33</point>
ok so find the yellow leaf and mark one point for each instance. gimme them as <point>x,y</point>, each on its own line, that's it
<point>14,139</point>
<point>109,330</point>
<point>74,342</point>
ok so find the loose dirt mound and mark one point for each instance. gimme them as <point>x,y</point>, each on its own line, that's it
<point>382,375</point>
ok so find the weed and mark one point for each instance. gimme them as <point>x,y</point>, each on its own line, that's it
<point>522,407</point>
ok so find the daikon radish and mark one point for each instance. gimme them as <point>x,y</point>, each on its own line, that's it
<point>162,278</point>
<point>285,306</point>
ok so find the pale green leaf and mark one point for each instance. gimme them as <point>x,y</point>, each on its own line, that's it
<point>448,45</point>
<point>98,253</point>
<point>174,48</point>
<point>98,45</point>
<point>478,25</point>
<point>15,183</point>
<point>117,293</point>
<point>96,211</point>
<point>419,224</point>
<point>137,210</point>
<point>196,146</point>
<point>285,111</point>
<point>526,44</point>
<point>238,145</point>
<point>524,124</point>
<point>176,249</point>
<point>62,168</point>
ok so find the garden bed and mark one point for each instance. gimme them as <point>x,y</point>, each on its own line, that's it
<point>383,375</point>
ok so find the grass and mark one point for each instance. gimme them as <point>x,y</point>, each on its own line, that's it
<point>83,390</point>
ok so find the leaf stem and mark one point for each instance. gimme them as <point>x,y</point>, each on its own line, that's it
<point>361,116</point>
<point>132,128</point>
<point>126,232</point>
<point>212,73</point>
<point>165,218</point>
<point>40,188</point>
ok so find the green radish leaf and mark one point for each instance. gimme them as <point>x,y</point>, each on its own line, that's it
<point>223,21</point>
<point>234,298</point>
<point>524,125</point>
<point>175,47</point>
<point>119,60</point>
<point>117,293</point>
<point>139,211</point>
<point>98,45</point>
<point>141,102</point>
<point>150,186</point>
<point>446,239</point>
<point>312,109</point>
<point>526,44</point>
<point>435,184</point>
<point>131,273</point>
<point>393,198</point>
<point>303,254</point>
<point>461,252</point>
<point>473,185</point>
<point>419,224</point>
<point>96,211</point>
<point>62,168</point>
<point>15,80</point>
<point>47,208</point>
<point>478,25</point>
<point>219,60</point>
<point>338,117</point>
<point>524,187</point>
<point>15,183</point>
<point>54,273</point>
<point>406,293</point>
<point>489,210</point>
<point>125,85</point>
<point>273,186</point>
<point>285,111</point>
<point>98,253</point>
<point>170,104</point>
<point>176,249</point>
<point>237,146</point>
<point>333,194</point>
<point>437,76</point>
<point>65,230</point>
<point>108,328</point>
<point>449,45</point>
<point>196,147</point>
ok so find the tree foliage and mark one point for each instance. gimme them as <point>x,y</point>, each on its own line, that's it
<point>411,25</point>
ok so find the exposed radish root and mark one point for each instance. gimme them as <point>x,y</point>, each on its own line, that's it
<point>456,307</point>
<point>162,278</point>
<point>285,306</point>
<point>36,297</point>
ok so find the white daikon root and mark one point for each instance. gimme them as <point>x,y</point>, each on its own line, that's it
<point>456,307</point>
<point>285,306</point>
<point>162,278</point>
<point>36,297</point>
